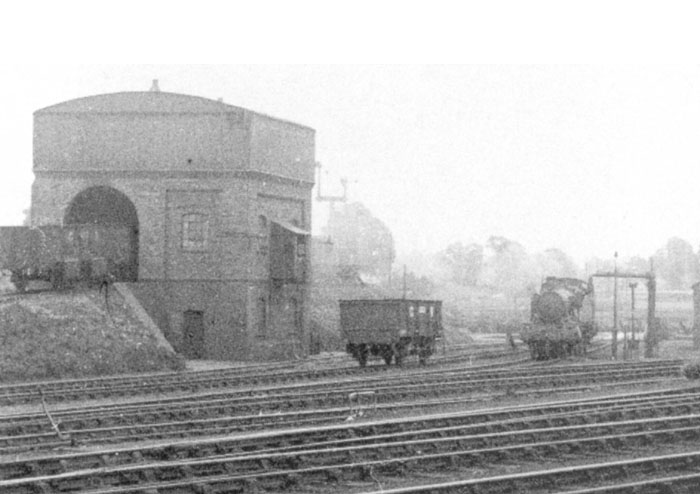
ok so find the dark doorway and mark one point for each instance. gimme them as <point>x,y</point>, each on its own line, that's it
<point>298,316</point>
<point>193,334</point>
<point>108,207</point>
<point>262,317</point>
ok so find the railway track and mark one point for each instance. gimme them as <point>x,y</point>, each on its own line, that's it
<point>280,461</point>
<point>555,414</point>
<point>499,371</point>
<point>231,411</point>
<point>193,381</point>
<point>174,405</point>
<point>654,474</point>
<point>256,400</point>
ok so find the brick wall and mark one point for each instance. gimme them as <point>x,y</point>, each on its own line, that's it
<point>175,156</point>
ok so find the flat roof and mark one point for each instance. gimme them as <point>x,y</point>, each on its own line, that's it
<point>151,102</point>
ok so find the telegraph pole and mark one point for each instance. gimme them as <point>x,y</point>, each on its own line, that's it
<point>614,335</point>
<point>651,342</point>
<point>633,285</point>
<point>404,282</point>
<point>651,338</point>
<point>329,198</point>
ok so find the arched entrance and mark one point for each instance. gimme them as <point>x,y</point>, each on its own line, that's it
<point>109,208</point>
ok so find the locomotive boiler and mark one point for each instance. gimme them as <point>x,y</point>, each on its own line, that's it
<point>561,319</point>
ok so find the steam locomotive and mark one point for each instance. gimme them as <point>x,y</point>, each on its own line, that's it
<point>64,255</point>
<point>561,319</point>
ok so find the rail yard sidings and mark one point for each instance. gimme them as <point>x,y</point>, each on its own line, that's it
<point>480,420</point>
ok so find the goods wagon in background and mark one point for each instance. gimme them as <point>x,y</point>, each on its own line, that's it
<point>392,329</point>
<point>64,255</point>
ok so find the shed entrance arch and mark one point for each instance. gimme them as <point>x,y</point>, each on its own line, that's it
<point>107,207</point>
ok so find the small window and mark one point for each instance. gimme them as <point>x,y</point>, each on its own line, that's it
<point>411,311</point>
<point>301,246</point>
<point>432,311</point>
<point>195,232</point>
<point>421,309</point>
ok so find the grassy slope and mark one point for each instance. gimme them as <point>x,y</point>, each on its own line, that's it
<point>72,334</point>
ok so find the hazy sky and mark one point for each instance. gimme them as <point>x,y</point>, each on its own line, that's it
<point>590,159</point>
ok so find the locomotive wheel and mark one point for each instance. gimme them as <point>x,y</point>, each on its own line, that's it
<point>423,354</point>
<point>535,350</point>
<point>56,279</point>
<point>399,356</point>
<point>388,354</point>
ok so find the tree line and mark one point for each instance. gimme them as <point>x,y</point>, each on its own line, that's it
<point>363,243</point>
<point>505,263</point>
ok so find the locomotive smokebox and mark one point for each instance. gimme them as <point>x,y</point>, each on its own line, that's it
<point>551,307</point>
<point>556,329</point>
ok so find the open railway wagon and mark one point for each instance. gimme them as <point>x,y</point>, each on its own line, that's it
<point>561,319</point>
<point>392,329</point>
<point>62,255</point>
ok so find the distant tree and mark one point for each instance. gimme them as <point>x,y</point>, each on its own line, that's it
<point>509,268</point>
<point>597,265</point>
<point>676,264</point>
<point>637,264</point>
<point>555,262</point>
<point>463,262</point>
<point>361,240</point>
<point>502,245</point>
<point>416,286</point>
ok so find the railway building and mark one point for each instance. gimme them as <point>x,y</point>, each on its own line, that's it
<point>217,200</point>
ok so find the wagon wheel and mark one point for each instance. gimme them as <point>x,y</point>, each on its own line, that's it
<point>399,355</point>
<point>388,355</point>
<point>362,357</point>
<point>423,355</point>
<point>426,350</point>
<point>56,278</point>
<point>20,284</point>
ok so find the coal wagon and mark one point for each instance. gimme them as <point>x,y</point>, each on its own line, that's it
<point>63,255</point>
<point>392,329</point>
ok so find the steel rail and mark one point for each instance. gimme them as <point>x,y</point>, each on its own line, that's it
<point>559,478</point>
<point>307,466</point>
<point>384,394</point>
<point>168,382</point>
<point>563,416</point>
<point>160,429</point>
<point>172,403</point>
<point>232,374</point>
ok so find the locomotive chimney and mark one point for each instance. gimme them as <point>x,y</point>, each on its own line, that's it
<point>154,86</point>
